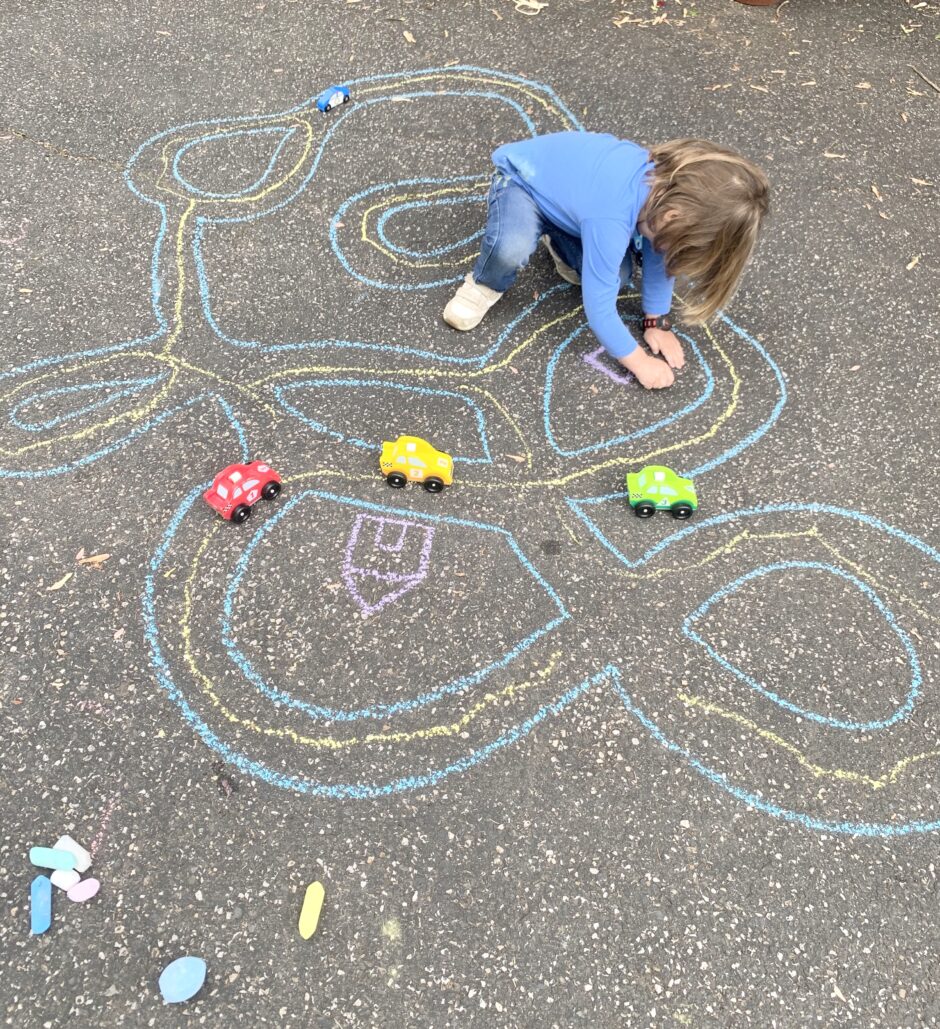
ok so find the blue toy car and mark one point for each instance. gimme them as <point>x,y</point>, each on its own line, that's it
<point>332,97</point>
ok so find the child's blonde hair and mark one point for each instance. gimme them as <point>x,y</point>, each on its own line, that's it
<point>704,210</point>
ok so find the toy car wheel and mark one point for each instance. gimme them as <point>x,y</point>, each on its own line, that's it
<point>271,490</point>
<point>645,509</point>
<point>346,98</point>
<point>433,484</point>
<point>396,480</point>
<point>681,510</point>
<point>241,514</point>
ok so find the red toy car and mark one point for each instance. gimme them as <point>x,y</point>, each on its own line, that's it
<point>237,487</point>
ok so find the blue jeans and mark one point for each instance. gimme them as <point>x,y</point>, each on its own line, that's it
<point>514,224</point>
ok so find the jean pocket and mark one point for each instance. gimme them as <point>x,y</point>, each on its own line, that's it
<point>498,183</point>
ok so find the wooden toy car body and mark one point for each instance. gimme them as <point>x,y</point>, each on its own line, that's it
<point>412,459</point>
<point>237,487</point>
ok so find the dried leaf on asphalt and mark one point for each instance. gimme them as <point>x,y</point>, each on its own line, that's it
<point>58,585</point>
<point>408,36</point>
<point>913,262</point>
<point>95,561</point>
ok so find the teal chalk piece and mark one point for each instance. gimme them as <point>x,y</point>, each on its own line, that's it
<point>40,905</point>
<point>182,979</point>
<point>51,857</point>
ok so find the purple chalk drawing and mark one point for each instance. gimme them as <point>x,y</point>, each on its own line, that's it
<point>597,360</point>
<point>385,536</point>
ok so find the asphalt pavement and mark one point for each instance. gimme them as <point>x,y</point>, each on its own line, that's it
<point>554,765</point>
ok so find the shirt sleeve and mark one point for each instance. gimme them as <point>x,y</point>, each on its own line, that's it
<point>605,243</point>
<point>655,284</point>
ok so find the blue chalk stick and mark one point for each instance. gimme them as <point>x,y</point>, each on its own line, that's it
<point>51,857</point>
<point>40,904</point>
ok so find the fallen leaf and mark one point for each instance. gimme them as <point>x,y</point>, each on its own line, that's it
<point>58,585</point>
<point>863,85</point>
<point>905,117</point>
<point>516,457</point>
<point>408,36</point>
<point>921,182</point>
<point>95,561</point>
<point>914,261</point>
<point>80,554</point>
<point>874,190</point>
<point>887,217</point>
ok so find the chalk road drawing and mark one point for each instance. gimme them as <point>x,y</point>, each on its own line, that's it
<point>65,412</point>
<point>384,536</point>
<point>598,360</point>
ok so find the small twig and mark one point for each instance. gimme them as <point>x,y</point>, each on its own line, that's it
<point>932,85</point>
<point>779,8</point>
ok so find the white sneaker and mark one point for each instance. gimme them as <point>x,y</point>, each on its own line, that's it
<point>564,270</point>
<point>469,304</point>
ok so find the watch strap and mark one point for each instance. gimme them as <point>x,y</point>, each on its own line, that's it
<point>659,322</point>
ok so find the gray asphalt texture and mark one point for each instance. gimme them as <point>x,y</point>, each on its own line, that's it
<point>726,830</point>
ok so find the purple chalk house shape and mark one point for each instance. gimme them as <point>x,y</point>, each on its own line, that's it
<point>385,558</point>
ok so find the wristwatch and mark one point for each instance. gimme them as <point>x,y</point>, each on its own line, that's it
<point>661,321</point>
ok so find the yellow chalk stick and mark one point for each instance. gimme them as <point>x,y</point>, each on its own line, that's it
<point>310,912</point>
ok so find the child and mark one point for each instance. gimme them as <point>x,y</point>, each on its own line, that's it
<point>687,207</point>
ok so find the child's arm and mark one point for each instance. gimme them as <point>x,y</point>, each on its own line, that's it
<point>605,241</point>
<point>656,289</point>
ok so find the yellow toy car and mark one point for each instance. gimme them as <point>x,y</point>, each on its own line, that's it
<point>410,459</point>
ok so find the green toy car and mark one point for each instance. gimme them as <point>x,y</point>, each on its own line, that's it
<point>656,488</point>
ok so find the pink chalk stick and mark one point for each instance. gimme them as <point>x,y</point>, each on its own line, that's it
<point>84,890</point>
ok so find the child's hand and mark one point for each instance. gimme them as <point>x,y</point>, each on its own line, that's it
<point>649,371</point>
<point>662,341</point>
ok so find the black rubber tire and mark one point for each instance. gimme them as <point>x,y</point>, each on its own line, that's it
<point>434,484</point>
<point>241,514</point>
<point>644,509</point>
<point>271,490</point>
<point>682,511</point>
<point>396,480</point>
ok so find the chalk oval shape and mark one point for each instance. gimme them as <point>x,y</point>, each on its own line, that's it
<point>182,979</point>
<point>310,912</point>
<point>84,890</point>
<point>50,857</point>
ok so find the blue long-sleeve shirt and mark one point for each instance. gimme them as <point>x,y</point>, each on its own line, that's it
<point>594,186</point>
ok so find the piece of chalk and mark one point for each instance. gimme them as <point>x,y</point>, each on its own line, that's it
<point>310,911</point>
<point>84,890</point>
<point>82,857</point>
<point>49,857</point>
<point>40,904</point>
<point>182,979</point>
<point>65,878</point>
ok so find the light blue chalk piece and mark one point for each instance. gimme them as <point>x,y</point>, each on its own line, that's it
<point>182,979</point>
<point>51,857</point>
<point>40,905</point>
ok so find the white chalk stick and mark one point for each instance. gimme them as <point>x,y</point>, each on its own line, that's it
<point>82,857</point>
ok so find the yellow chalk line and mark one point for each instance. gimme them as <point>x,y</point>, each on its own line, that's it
<point>327,742</point>
<point>816,770</point>
<point>236,126</point>
<point>404,198</point>
<point>562,480</point>
<point>542,101</point>
<point>133,415</point>
<point>699,703</point>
